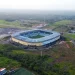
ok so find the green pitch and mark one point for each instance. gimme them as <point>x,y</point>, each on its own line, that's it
<point>35,37</point>
<point>23,71</point>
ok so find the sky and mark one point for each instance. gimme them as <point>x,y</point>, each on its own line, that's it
<point>38,4</point>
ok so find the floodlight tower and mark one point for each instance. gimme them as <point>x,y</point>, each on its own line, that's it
<point>44,20</point>
<point>41,53</point>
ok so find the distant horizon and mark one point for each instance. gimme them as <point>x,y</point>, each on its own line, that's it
<point>42,12</point>
<point>32,10</point>
<point>4,9</point>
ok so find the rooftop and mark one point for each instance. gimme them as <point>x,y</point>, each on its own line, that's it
<point>47,36</point>
<point>2,69</point>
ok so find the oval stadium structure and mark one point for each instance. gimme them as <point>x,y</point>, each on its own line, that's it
<point>35,37</point>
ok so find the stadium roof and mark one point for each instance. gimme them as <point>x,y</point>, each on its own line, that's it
<point>49,37</point>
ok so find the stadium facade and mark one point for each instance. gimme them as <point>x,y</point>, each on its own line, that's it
<point>35,37</point>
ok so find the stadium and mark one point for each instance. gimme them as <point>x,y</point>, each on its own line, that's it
<point>35,37</point>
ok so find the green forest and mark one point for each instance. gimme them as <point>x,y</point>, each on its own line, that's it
<point>41,65</point>
<point>8,63</point>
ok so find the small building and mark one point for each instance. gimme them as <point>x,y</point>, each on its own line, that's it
<point>2,71</point>
<point>72,31</point>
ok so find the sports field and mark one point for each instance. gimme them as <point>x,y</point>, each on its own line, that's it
<point>23,71</point>
<point>37,36</point>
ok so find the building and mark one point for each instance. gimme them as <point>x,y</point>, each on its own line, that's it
<point>72,31</point>
<point>35,37</point>
<point>2,71</point>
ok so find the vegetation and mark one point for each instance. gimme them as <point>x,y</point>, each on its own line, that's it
<point>61,26</point>
<point>63,22</point>
<point>45,65</point>
<point>4,23</point>
<point>58,60</point>
<point>70,35</point>
<point>8,63</point>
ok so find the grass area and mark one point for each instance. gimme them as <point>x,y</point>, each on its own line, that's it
<point>37,36</point>
<point>9,23</point>
<point>15,52</point>
<point>63,22</point>
<point>18,52</point>
<point>70,35</point>
<point>8,63</point>
<point>61,28</point>
<point>60,25</point>
<point>12,24</point>
<point>23,71</point>
<point>4,23</point>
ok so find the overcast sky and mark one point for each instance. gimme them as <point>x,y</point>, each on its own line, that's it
<point>38,4</point>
